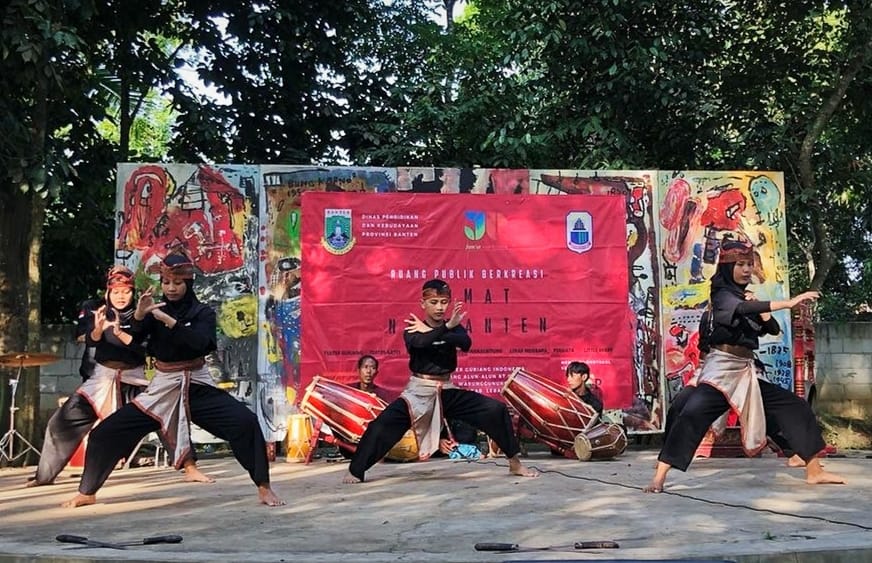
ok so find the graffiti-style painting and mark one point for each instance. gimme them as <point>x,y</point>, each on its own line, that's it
<point>500,181</point>
<point>637,188</point>
<point>209,212</point>
<point>241,227</point>
<point>695,212</point>
<point>280,275</point>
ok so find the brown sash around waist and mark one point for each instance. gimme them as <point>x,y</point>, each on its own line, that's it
<point>431,377</point>
<point>114,364</point>
<point>741,351</point>
<point>183,365</point>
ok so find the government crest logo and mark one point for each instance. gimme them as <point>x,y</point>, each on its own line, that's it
<point>579,231</point>
<point>337,238</point>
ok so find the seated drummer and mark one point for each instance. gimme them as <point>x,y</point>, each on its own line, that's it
<point>459,441</point>
<point>578,381</point>
<point>367,370</point>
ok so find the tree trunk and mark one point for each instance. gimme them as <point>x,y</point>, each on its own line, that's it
<point>28,420</point>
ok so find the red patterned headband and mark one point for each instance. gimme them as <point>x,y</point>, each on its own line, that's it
<point>119,276</point>
<point>181,270</point>
<point>733,251</point>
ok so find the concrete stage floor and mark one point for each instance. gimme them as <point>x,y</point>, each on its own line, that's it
<point>744,510</point>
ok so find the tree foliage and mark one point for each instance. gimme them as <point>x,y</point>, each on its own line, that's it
<point>600,84</point>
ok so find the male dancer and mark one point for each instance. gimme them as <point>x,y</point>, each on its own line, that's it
<point>429,396</point>
<point>181,331</point>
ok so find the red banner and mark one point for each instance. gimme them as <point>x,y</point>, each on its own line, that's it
<point>544,281</point>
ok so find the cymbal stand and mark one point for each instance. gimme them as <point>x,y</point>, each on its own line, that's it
<point>8,439</point>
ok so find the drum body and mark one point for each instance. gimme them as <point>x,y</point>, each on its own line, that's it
<point>554,414</point>
<point>297,442</point>
<point>404,450</point>
<point>603,441</point>
<point>346,410</point>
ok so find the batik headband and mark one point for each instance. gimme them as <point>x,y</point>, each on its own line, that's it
<point>119,276</point>
<point>183,270</point>
<point>733,250</point>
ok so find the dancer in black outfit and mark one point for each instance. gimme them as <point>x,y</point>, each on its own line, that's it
<point>113,372</point>
<point>181,332</point>
<point>728,379</point>
<point>430,397</point>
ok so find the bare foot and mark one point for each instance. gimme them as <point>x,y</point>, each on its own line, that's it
<point>659,479</point>
<point>653,487</point>
<point>517,468</point>
<point>815,475</point>
<point>824,478</point>
<point>35,483</point>
<point>194,475</point>
<point>266,496</point>
<point>795,461</point>
<point>350,479</point>
<point>80,500</point>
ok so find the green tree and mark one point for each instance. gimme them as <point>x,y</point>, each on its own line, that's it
<point>639,84</point>
<point>42,62</point>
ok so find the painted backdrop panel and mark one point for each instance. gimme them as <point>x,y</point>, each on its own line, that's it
<point>211,213</point>
<point>695,212</point>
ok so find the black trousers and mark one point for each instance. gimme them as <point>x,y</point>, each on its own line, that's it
<point>212,409</point>
<point>791,416</point>
<point>482,413</point>
<point>66,429</point>
<point>773,431</point>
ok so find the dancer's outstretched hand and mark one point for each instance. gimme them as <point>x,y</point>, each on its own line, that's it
<point>414,324</point>
<point>811,296</point>
<point>457,315</point>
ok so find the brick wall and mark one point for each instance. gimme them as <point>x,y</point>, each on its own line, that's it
<point>62,377</point>
<point>843,368</point>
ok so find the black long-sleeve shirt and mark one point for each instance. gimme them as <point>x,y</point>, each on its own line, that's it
<point>739,322</point>
<point>84,325</point>
<point>110,348</point>
<point>192,337</point>
<point>435,352</point>
<point>587,395</point>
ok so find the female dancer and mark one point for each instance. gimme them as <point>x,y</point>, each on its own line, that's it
<point>120,358</point>
<point>728,379</point>
<point>181,332</point>
<point>117,378</point>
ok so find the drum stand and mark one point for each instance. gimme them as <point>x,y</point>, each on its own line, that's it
<point>7,440</point>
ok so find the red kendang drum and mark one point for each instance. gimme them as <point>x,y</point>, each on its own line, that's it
<point>553,414</point>
<point>346,410</point>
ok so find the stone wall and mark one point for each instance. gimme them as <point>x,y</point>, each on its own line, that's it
<point>843,369</point>
<point>62,377</point>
